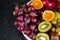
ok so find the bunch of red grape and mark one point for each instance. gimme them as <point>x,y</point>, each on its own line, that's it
<point>28,18</point>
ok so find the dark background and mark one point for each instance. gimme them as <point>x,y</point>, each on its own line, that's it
<point>7,29</point>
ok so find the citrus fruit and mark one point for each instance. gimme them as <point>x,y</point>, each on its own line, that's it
<point>42,36</point>
<point>48,15</point>
<point>37,4</point>
<point>44,26</point>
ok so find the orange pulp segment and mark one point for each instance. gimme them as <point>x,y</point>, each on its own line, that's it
<point>37,4</point>
<point>48,15</point>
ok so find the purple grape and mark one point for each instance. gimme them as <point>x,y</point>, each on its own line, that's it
<point>33,14</point>
<point>27,31</point>
<point>20,11</point>
<point>26,15</point>
<point>19,23</point>
<point>33,20</point>
<point>32,36</point>
<point>22,23</point>
<point>15,13</point>
<point>20,18</point>
<point>41,11</point>
<point>31,9</point>
<point>24,6</point>
<point>20,28</point>
<point>27,19</point>
<point>32,26</point>
<point>17,7</point>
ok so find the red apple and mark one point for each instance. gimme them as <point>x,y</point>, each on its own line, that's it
<point>58,5</point>
<point>44,1</point>
<point>50,5</point>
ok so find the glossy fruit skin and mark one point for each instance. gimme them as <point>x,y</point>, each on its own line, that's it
<point>18,23</point>
<point>33,14</point>
<point>31,8</point>
<point>32,26</point>
<point>33,19</point>
<point>50,5</point>
<point>20,12</point>
<point>47,28</point>
<point>44,1</point>
<point>58,5</point>
<point>27,20</point>
<point>15,13</point>
<point>32,36</point>
<point>43,34</point>
<point>20,18</point>
<point>20,28</point>
<point>17,8</point>
<point>27,31</point>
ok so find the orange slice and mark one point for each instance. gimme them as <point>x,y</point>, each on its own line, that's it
<point>37,4</point>
<point>48,15</point>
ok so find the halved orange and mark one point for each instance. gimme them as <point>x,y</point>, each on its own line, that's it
<point>48,15</point>
<point>37,4</point>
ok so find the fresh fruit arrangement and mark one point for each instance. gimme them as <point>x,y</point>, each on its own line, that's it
<point>39,20</point>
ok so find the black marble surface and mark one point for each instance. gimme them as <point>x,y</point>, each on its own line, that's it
<point>7,29</point>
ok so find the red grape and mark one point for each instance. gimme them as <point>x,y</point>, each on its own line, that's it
<point>33,14</point>
<point>16,7</point>
<point>26,15</point>
<point>32,26</point>
<point>15,13</point>
<point>31,9</point>
<point>36,30</point>
<point>27,20</point>
<point>24,5</point>
<point>27,31</point>
<point>20,28</point>
<point>19,23</point>
<point>58,4</point>
<point>20,18</point>
<point>41,11</point>
<point>20,11</point>
<point>33,20</point>
<point>32,36</point>
<point>22,23</point>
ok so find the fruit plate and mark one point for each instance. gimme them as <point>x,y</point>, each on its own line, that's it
<point>26,36</point>
<point>38,19</point>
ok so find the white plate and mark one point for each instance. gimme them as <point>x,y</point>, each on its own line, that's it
<point>26,36</point>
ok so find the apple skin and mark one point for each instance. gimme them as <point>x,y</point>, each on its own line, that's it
<point>44,1</point>
<point>50,5</point>
<point>58,4</point>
